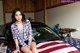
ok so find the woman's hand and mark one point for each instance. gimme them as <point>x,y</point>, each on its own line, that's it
<point>16,51</point>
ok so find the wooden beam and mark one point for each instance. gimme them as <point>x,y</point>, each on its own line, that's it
<point>4,18</point>
<point>45,12</point>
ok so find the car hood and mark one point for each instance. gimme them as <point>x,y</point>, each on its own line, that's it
<point>56,47</point>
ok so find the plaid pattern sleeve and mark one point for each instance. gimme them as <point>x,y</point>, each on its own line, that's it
<point>29,31</point>
<point>29,27</point>
<point>22,42</point>
<point>13,32</point>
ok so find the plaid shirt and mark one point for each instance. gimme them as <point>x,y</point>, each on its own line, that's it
<point>27,31</point>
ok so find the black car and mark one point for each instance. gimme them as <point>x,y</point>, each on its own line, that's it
<point>47,40</point>
<point>41,32</point>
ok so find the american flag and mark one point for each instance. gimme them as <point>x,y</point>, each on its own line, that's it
<point>56,47</point>
<point>72,41</point>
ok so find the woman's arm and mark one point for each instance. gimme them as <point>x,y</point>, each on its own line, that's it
<point>30,40</point>
<point>17,44</point>
<point>29,32</point>
<point>14,35</point>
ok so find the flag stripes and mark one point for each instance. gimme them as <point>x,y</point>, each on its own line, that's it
<point>55,47</point>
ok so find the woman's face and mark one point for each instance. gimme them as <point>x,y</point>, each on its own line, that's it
<point>18,16</point>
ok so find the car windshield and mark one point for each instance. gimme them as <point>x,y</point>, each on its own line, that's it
<point>44,33</point>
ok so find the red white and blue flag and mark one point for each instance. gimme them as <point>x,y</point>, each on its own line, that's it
<point>56,47</point>
<point>72,41</point>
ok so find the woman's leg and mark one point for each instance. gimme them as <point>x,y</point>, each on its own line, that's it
<point>25,50</point>
<point>33,47</point>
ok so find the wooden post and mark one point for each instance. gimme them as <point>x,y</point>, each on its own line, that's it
<point>4,18</point>
<point>45,12</point>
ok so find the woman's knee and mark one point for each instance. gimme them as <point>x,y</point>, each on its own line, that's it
<point>33,44</point>
<point>33,49</point>
<point>26,50</point>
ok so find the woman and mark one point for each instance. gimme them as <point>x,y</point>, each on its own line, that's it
<point>22,33</point>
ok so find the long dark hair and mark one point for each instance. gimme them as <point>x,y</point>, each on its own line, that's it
<point>13,15</point>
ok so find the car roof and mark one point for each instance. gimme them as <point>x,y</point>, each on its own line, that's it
<point>38,24</point>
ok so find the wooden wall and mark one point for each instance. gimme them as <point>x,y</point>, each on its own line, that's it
<point>39,5</point>
<point>49,4</point>
<point>29,5</point>
<point>25,5</point>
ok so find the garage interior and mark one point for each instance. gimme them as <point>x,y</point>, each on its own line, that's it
<point>66,13</point>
